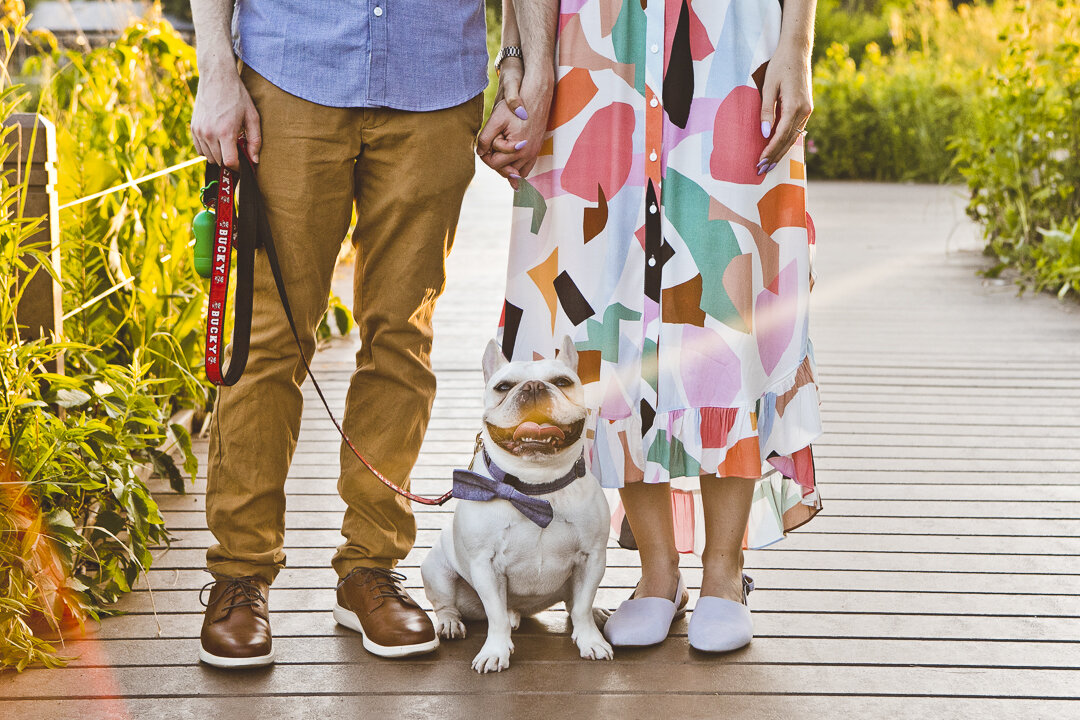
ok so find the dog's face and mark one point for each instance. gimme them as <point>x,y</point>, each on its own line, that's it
<point>534,411</point>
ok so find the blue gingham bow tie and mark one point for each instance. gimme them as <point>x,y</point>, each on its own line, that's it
<point>469,485</point>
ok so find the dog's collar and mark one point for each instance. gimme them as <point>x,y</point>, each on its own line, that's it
<point>500,475</point>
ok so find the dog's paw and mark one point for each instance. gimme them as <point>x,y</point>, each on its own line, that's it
<point>493,657</point>
<point>593,646</point>
<point>451,628</point>
<point>515,619</point>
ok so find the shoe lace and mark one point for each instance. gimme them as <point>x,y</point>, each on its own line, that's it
<point>387,583</point>
<point>238,592</point>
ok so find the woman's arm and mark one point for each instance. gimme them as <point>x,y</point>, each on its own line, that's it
<point>786,93</point>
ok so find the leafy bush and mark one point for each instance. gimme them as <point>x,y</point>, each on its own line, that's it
<point>851,23</point>
<point>888,118</point>
<point>1020,157</point>
<point>76,519</point>
<point>122,112</point>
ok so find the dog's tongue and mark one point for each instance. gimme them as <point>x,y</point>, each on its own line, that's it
<point>531,429</point>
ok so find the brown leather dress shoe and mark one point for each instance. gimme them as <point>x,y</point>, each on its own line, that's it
<point>372,602</point>
<point>236,627</point>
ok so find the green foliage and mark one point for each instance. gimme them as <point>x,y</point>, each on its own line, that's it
<point>889,118</point>
<point>122,112</point>
<point>1020,155</point>
<point>76,518</point>
<point>853,24</point>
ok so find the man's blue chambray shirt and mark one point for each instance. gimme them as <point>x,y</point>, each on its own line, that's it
<point>402,54</point>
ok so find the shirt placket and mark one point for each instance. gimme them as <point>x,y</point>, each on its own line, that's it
<point>378,33</point>
<point>655,247</point>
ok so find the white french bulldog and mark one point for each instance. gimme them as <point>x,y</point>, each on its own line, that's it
<point>502,562</point>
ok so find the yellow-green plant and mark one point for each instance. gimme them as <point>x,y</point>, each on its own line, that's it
<point>1021,156</point>
<point>122,112</point>
<point>77,521</point>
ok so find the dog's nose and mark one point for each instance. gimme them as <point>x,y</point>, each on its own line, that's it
<point>533,388</point>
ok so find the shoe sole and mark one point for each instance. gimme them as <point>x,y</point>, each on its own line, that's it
<point>348,619</point>
<point>235,662</point>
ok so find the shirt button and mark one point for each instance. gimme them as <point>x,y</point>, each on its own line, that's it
<point>377,11</point>
<point>652,262</point>
<point>655,48</point>
<point>654,102</point>
<point>652,209</point>
<point>653,156</point>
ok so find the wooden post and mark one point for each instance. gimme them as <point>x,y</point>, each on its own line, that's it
<point>33,166</point>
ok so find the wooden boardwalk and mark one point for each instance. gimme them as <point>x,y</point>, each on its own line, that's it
<point>942,579</point>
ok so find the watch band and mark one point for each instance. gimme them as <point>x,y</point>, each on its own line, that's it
<point>508,51</point>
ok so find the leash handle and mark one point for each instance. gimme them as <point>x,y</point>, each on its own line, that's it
<point>253,230</point>
<point>222,244</point>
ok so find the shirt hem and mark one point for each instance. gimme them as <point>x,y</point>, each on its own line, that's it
<point>277,82</point>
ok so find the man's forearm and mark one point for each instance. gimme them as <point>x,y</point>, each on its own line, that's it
<point>536,21</point>
<point>213,35</point>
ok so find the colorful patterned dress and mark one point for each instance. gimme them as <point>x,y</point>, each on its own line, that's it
<point>645,233</point>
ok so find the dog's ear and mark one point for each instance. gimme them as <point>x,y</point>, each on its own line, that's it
<point>568,353</point>
<point>493,359</point>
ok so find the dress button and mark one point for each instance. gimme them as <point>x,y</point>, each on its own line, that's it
<point>377,11</point>
<point>654,102</point>
<point>652,262</point>
<point>652,157</point>
<point>655,48</point>
<point>652,209</point>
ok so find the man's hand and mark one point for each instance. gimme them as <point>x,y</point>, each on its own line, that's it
<point>223,109</point>
<point>512,136</point>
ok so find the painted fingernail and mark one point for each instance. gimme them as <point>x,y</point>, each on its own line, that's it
<point>520,112</point>
<point>763,161</point>
<point>521,144</point>
<point>772,167</point>
<point>513,176</point>
<point>766,128</point>
<point>762,169</point>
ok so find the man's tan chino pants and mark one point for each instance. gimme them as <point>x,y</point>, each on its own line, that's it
<point>407,173</point>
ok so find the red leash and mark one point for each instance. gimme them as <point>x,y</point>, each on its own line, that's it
<point>250,231</point>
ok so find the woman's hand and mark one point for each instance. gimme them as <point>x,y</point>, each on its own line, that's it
<point>785,102</point>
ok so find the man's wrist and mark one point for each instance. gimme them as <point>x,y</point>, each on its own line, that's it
<point>507,52</point>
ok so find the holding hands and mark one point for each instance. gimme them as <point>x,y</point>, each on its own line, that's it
<point>512,136</point>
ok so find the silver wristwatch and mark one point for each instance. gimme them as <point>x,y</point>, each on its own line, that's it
<point>508,51</point>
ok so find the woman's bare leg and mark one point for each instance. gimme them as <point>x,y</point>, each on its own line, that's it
<point>648,508</point>
<point>726,504</point>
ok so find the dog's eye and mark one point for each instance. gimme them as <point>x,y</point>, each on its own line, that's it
<point>504,386</point>
<point>562,381</point>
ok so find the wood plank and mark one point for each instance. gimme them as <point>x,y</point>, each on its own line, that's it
<point>765,599</point>
<point>546,704</point>
<point>784,623</point>
<point>803,538</point>
<point>827,559</point>
<point>536,647</point>
<point>432,676</point>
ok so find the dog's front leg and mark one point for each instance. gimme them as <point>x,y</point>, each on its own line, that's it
<point>584,583</point>
<point>494,656</point>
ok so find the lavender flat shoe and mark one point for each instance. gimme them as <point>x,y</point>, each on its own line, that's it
<point>645,621</point>
<point>719,625</point>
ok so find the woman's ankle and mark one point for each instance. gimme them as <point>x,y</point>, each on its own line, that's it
<point>722,576</point>
<point>659,578</point>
